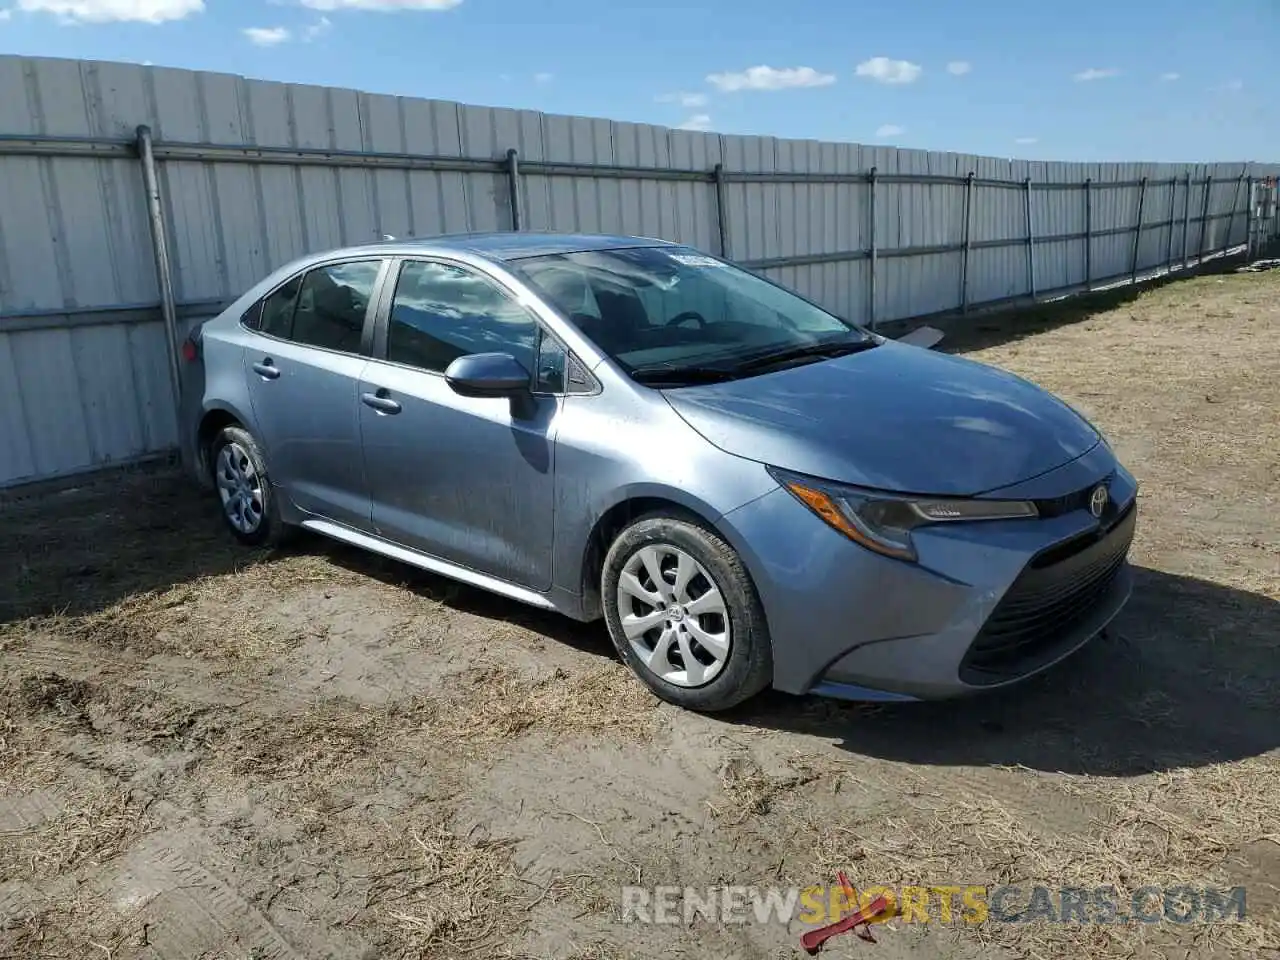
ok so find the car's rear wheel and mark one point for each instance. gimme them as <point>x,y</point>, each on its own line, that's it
<point>684,614</point>
<point>244,488</point>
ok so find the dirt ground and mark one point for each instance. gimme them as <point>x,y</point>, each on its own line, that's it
<point>207,752</point>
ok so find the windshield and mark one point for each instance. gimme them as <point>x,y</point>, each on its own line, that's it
<point>673,309</point>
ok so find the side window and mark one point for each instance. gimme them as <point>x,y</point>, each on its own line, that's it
<point>276,317</point>
<point>251,316</point>
<point>441,312</point>
<point>331,305</point>
<point>551,362</point>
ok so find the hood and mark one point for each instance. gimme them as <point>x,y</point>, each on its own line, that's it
<point>896,417</point>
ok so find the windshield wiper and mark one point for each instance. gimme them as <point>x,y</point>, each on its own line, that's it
<point>664,375</point>
<point>673,375</point>
<point>816,351</point>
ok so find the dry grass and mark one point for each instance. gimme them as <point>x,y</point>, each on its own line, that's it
<point>750,792</point>
<point>443,894</point>
<point>496,704</point>
<point>1177,828</point>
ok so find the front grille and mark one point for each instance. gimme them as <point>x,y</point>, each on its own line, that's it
<point>1079,500</point>
<point>1047,601</point>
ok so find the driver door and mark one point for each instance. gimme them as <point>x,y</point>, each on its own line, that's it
<point>468,480</point>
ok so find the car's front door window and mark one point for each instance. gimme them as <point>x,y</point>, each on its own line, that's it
<point>441,312</point>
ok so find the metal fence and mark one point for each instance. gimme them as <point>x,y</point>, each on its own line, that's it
<point>235,177</point>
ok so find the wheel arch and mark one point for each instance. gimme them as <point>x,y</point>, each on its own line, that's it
<point>215,418</point>
<point>625,508</point>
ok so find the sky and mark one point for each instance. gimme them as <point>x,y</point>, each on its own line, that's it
<point>1136,80</point>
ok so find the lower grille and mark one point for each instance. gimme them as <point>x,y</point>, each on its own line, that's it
<point>1046,602</point>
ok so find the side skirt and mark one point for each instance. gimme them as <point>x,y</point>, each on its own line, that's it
<point>426,562</point>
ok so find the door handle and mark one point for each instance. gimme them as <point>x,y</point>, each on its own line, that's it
<point>380,401</point>
<point>266,369</point>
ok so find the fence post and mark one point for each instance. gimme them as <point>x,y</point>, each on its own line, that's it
<point>968,242</point>
<point>1137,231</point>
<point>1031,242</point>
<point>722,224</point>
<point>1173,202</point>
<point>1231,220</point>
<point>513,182</point>
<point>164,271</point>
<point>1275,209</point>
<point>1272,208</point>
<point>1267,216</point>
<point>1204,218</point>
<point>1186,221</point>
<point>875,251</point>
<point>1088,234</point>
<point>1248,222</point>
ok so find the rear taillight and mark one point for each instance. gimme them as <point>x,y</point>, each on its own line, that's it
<point>190,352</point>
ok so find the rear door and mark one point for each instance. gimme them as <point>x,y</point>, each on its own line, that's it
<point>468,480</point>
<point>303,370</point>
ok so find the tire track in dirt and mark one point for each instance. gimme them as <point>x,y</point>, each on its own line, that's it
<point>187,909</point>
<point>176,887</point>
<point>26,811</point>
<point>187,679</point>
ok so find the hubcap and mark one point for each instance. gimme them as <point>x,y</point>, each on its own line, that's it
<point>673,615</point>
<point>239,487</point>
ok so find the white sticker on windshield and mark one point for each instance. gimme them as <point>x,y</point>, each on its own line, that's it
<point>695,260</point>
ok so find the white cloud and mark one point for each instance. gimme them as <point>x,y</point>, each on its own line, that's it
<point>1232,86</point>
<point>699,121</point>
<point>1170,76</point>
<point>958,68</point>
<point>5,14</point>
<point>317,30</point>
<point>767,78</point>
<point>884,70</point>
<point>381,6</point>
<point>267,36</point>
<point>106,11</point>
<point>543,77</point>
<point>689,100</point>
<point>890,130</point>
<point>1026,140</point>
<point>1095,73</point>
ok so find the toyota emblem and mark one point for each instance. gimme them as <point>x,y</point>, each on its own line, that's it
<point>1098,501</point>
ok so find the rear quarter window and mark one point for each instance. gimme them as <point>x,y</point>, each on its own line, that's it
<point>276,313</point>
<point>251,316</point>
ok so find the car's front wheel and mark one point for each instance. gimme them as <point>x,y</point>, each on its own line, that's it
<point>244,489</point>
<point>684,614</point>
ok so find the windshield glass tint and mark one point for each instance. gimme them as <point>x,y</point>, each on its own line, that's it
<point>674,307</point>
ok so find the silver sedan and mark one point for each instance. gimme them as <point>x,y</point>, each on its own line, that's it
<point>749,490</point>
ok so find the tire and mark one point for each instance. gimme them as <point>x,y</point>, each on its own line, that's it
<point>259,525</point>
<point>728,640</point>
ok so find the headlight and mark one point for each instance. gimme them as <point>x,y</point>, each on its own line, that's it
<point>883,521</point>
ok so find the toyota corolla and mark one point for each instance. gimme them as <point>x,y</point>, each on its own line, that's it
<point>749,490</point>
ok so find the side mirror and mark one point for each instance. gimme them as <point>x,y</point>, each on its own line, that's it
<point>487,375</point>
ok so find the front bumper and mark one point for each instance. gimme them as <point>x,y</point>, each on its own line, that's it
<point>987,605</point>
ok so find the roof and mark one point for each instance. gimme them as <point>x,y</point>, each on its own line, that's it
<point>516,246</point>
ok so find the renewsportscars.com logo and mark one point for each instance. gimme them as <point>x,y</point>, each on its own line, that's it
<point>942,903</point>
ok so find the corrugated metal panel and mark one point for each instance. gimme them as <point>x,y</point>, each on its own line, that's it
<point>74,232</point>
